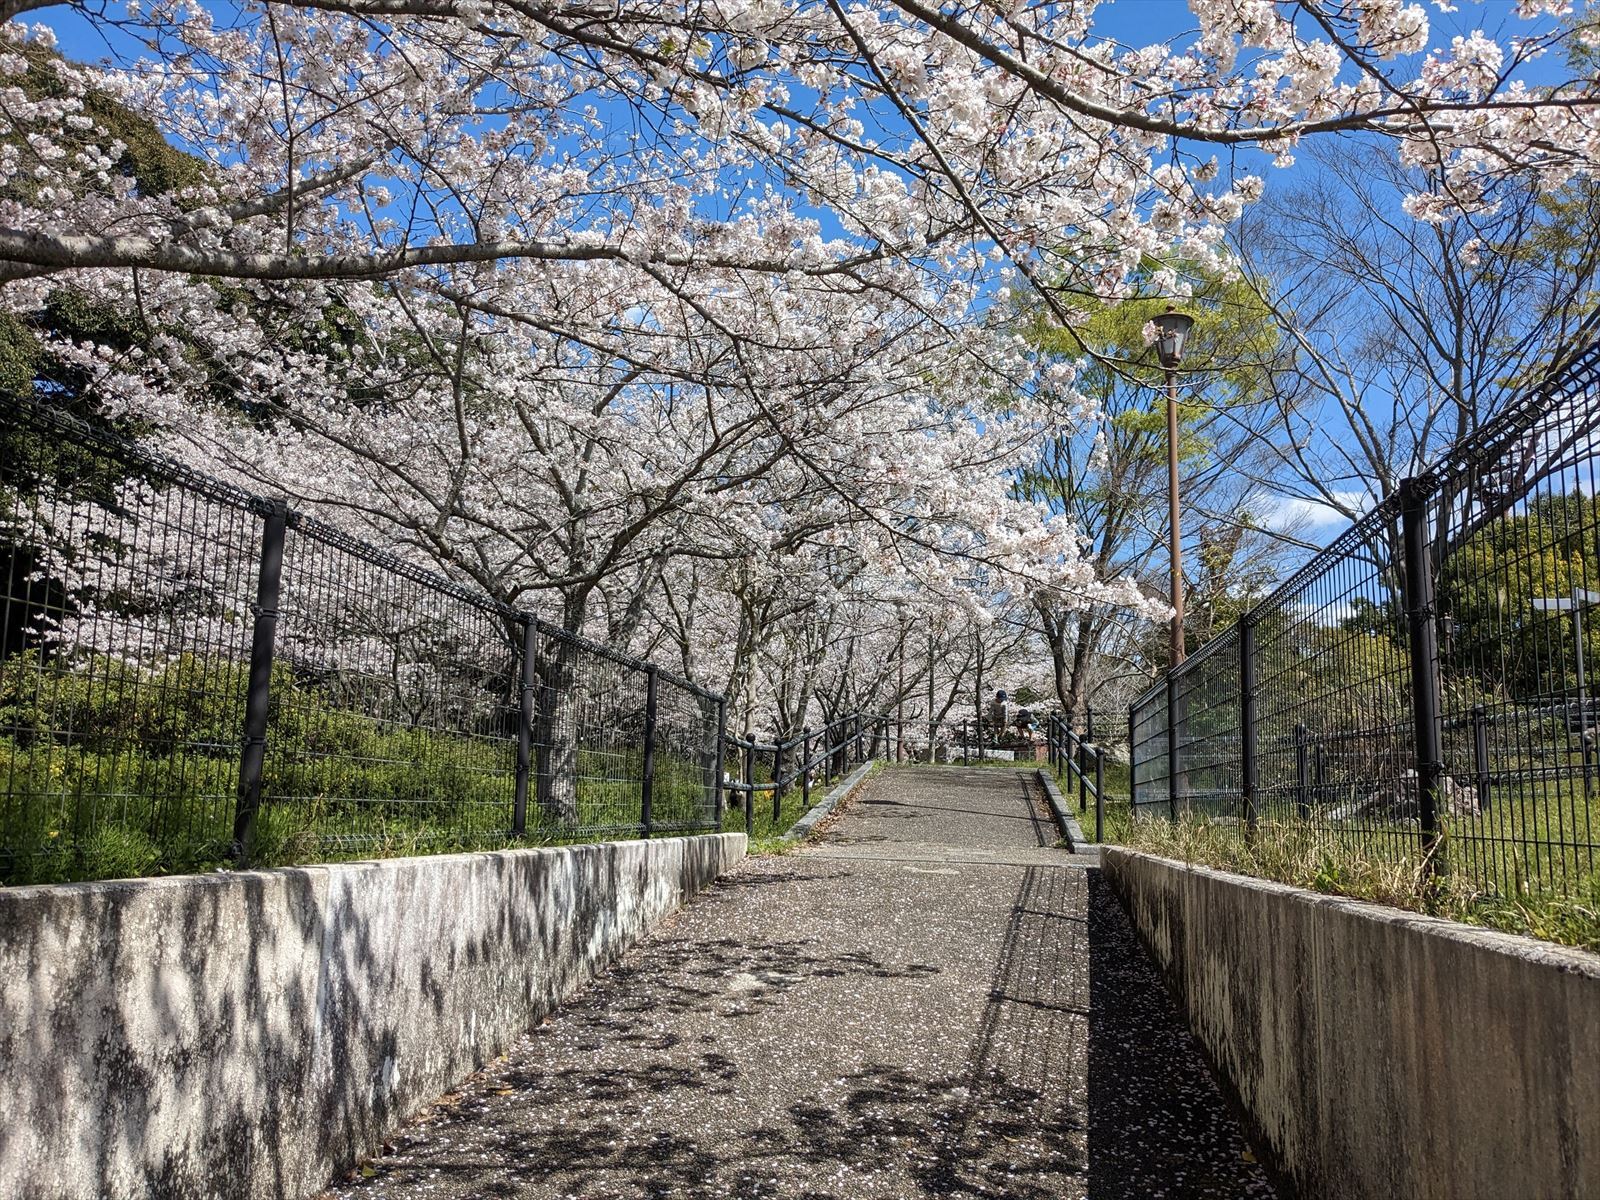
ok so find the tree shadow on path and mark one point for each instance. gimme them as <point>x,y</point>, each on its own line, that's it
<point>799,1063</point>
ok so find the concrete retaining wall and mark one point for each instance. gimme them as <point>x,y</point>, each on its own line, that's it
<point>1380,1053</point>
<point>255,1033</point>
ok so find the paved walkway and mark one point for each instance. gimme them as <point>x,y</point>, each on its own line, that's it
<point>928,1002</point>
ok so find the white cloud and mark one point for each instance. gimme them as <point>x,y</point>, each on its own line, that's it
<point>1305,518</point>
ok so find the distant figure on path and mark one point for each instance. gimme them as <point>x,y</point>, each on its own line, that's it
<point>997,714</point>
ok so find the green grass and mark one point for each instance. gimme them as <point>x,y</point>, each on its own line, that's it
<point>109,771</point>
<point>1521,866</point>
<point>1116,805</point>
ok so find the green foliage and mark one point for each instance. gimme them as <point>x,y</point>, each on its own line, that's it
<point>1488,585</point>
<point>156,167</point>
<point>1385,618</point>
<point>28,364</point>
<point>1234,336</point>
<point>20,355</point>
<point>1112,478</point>
<point>1223,583</point>
<point>1366,669</point>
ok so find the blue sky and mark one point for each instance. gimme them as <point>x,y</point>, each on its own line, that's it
<point>1132,22</point>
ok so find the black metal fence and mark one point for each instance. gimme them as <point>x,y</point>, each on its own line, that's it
<point>192,675</point>
<point>1420,689</point>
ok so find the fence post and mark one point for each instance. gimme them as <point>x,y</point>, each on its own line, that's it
<point>1088,736</point>
<point>1480,754</point>
<point>528,680</point>
<point>966,755</point>
<point>1249,768</point>
<point>717,799</point>
<point>1417,592</point>
<point>1133,786</point>
<point>805,768</point>
<point>750,787</point>
<point>1172,746</point>
<point>263,636</point>
<point>1099,794</point>
<point>1081,751</point>
<point>777,783</point>
<point>1302,775</point>
<point>648,782</point>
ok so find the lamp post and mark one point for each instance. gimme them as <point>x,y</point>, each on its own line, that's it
<point>1172,331</point>
<point>1580,599</point>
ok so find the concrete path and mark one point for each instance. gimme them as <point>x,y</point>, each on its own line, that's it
<point>927,1002</point>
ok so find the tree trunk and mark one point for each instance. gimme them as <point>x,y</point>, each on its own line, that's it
<point>1077,698</point>
<point>556,731</point>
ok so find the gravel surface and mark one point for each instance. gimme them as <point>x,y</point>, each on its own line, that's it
<point>929,1002</point>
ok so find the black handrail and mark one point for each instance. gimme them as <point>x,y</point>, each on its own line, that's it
<point>815,748</point>
<point>1065,746</point>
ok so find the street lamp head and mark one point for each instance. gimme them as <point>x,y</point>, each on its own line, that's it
<point>1172,332</point>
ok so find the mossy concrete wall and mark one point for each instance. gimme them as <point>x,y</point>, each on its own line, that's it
<point>1379,1053</point>
<point>253,1034</point>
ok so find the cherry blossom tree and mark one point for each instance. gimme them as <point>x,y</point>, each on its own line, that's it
<point>357,138</point>
<point>666,321</point>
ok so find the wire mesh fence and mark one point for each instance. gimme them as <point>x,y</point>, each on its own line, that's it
<point>192,675</point>
<point>1418,691</point>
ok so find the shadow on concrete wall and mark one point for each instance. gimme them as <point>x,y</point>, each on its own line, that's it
<point>252,1034</point>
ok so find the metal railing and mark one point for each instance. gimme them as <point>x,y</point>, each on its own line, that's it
<point>1080,763</point>
<point>194,675</point>
<point>1418,691</point>
<point>801,764</point>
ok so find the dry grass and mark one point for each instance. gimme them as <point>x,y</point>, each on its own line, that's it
<point>1304,857</point>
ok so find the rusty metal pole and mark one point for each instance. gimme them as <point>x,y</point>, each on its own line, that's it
<point>1176,543</point>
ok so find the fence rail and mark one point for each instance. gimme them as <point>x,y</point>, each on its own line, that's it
<point>1419,689</point>
<point>193,675</point>
<point>1081,763</point>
